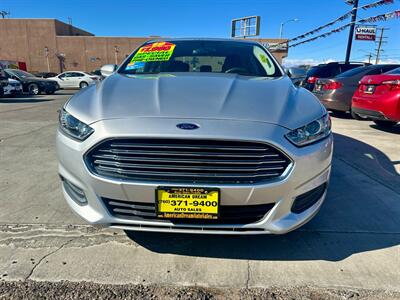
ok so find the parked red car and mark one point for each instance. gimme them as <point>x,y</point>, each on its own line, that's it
<point>378,98</point>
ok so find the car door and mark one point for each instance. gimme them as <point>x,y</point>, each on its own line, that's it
<point>63,80</point>
<point>76,78</point>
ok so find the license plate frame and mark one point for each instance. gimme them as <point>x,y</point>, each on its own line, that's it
<point>369,89</point>
<point>187,210</point>
<point>318,88</point>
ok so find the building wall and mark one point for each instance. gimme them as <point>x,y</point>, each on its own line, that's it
<point>90,53</point>
<point>25,40</point>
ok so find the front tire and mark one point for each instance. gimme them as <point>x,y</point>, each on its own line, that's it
<point>83,84</point>
<point>33,89</point>
<point>385,124</point>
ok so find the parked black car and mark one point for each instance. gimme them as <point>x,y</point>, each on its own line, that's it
<point>328,70</point>
<point>32,84</point>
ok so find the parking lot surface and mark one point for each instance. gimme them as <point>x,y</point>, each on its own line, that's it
<point>353,243</point>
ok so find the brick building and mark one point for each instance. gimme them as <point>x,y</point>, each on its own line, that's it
<point>51,45</point>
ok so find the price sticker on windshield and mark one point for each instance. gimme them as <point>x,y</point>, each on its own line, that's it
<point>161,51</point>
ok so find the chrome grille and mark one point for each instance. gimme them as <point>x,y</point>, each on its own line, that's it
<point>192,161</point>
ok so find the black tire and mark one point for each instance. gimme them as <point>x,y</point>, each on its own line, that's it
<point>33,89</point>
<point>83,84</point>
<point>355,116</point>
<point>385,124</point>
<point>1,92</point>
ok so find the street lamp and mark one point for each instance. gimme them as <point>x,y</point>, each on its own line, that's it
<point>283,23</point>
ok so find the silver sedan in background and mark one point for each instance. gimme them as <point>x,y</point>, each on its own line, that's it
<point>198,136</point>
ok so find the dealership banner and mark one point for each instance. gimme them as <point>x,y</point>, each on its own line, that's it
<point>365,33</point>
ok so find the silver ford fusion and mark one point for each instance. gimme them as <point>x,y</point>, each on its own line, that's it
<point>198,136</point>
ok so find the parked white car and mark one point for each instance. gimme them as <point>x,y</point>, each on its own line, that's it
<point>75,79</point>
<point>13,88</point>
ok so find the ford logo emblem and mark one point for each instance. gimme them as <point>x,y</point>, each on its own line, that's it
<point>187,126</point>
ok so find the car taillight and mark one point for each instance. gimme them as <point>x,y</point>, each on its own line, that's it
<point>332,85</point>
<point>312,79</point>
<point>94,78</point>
<point>392,85</point>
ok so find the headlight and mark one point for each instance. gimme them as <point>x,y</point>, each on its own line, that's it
<point>73,127</point>
<point>310,133</point>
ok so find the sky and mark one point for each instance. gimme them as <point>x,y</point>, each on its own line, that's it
<point>212,18</point>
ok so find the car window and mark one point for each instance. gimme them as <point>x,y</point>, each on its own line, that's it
<point>20,74</point>
<point>324,72</point>
<point>75,74</point>
<point>387,68</point>
<point>346,67</point>
<point>297,72</point>
<point>352,72</point>
<point>247,59</point>
<point>394,72</point>
<point>375,71</point>
<point>62,76</point>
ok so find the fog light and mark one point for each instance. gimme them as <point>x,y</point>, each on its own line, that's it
<point>77,194</point>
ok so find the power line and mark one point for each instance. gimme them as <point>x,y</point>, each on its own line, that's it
<point>342,17</point>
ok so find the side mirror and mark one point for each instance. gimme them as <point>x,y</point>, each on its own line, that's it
<point>107,70</point>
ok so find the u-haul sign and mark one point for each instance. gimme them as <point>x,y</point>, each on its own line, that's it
<point>365,33</point>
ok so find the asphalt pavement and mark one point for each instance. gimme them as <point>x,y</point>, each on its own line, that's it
<point>353,243</point>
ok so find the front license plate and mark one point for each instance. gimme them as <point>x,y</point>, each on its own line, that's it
<point>187,203</point>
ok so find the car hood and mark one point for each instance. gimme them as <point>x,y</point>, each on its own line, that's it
<point>197,96</point>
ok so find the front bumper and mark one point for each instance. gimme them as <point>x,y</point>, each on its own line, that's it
<point>310,168</point>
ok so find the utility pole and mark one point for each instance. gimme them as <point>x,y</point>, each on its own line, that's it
<point>351,32</point>
<point>380,42</point>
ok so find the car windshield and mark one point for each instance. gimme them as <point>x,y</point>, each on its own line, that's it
<point>394,72</point>
<point>201,56</point>
<point>21,74</point>
<point>352,72</point>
